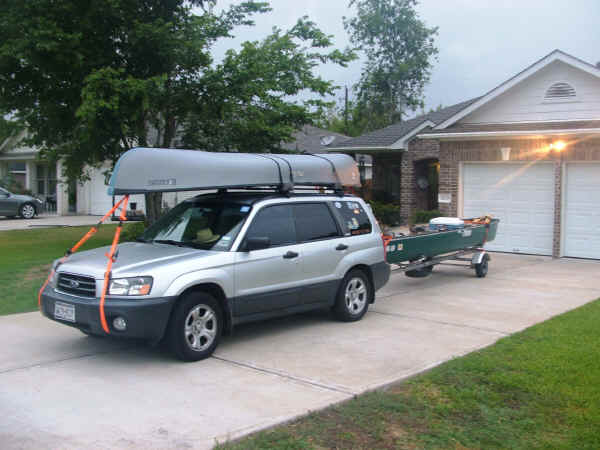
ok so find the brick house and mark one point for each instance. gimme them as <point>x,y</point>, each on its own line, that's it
<point>528,152</point>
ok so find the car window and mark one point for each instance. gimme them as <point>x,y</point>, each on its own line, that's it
<point>275,222</point>
<point>2,191</point>
<point>353,217</point>
<point>314,222</point>
<point>203,225</point>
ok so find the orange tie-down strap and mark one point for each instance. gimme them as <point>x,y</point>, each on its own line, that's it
<point>82,241</point>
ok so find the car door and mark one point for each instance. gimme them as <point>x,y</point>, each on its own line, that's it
<point>323,247</point>
<point>269,279</point>
<point>6,206</point>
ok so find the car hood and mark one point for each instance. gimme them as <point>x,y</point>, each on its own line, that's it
<point>22,198</point>
<point>135,259</point>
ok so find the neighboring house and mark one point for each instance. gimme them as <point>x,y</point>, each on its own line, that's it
<point>311,139</point>
<point>528,152</point>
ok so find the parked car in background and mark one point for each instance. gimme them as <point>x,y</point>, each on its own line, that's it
<point>12,205</point>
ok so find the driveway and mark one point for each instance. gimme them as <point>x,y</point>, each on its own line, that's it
<point>60,389</point>
<point>47,221</point>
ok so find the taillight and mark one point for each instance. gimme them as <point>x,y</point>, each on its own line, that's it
<point>386,240</point>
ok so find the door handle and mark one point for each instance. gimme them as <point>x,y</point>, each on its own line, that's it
<point>290,254</point>
<point>341,247</point>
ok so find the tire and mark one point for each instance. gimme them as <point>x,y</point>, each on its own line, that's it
<point>27,211</point>
<point>195,327</point>
<point>481,269</point>
<point>352,301</point>
<point>419,273</point>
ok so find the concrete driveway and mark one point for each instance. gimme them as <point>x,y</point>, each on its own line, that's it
<point>60,389</point>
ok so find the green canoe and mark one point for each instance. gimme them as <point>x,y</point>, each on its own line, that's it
<point>429,244</point>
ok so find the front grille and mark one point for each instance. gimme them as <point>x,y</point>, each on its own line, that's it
<point>76,285</point>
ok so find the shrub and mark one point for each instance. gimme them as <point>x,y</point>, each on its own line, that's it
<point>386,213</point>
<point>132,231</point>
<point>425,216</point>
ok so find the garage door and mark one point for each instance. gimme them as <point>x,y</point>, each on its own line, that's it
<point>100,201</point>
<point>582,211</point>
<point>521,196</point>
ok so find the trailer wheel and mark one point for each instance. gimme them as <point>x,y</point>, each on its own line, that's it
<point>481,269</point>
<point>420,273</point>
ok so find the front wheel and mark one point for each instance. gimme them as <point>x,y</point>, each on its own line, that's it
<point>196,327</point>
<point>352,301</point>
<point>27,211</point>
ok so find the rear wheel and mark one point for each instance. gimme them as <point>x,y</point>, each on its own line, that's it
<point>352,301</point>
<point>196,327</point>
<point>27,211</point>
<point>481,269</point>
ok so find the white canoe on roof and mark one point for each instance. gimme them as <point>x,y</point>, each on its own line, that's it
<point>142,170</point>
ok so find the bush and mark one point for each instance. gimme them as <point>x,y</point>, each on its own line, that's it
<point>425,216</point>
<point>386,213</point>
<point>131,231</point>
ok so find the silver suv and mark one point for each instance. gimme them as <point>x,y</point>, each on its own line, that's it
<point>220,260</point>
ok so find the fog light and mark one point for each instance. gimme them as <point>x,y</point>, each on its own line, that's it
<point>120,324</point>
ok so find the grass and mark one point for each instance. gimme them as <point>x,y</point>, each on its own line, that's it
<point>26,256</point>
<point>536,389</point>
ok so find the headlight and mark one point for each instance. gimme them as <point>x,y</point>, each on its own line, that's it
<point>39,200</point>
<point>130,286</point>
<point>54,277</point>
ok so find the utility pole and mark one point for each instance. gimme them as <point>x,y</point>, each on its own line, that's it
<point>346,112</point>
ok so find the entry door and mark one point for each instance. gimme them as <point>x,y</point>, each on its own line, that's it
<point>582,211</point>
<point>521,196</point>
<point>269,279</point>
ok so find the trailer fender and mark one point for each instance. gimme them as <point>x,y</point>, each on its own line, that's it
<point>478,257</point>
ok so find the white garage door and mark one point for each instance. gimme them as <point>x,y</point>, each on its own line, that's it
<point>582,211</point>
<point>521,196</point>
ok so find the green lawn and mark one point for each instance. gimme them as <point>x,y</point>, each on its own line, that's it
<point>536,389</point>
<point>25,258</point>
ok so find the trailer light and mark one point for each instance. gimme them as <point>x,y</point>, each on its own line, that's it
<point>119,323</point>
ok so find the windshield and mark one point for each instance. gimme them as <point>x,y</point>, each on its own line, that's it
<point>208,226</point>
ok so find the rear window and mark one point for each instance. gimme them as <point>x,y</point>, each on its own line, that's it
<point>314,222</point>
<point>353,217</point>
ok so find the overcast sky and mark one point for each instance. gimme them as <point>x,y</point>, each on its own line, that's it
<point>481,42</point>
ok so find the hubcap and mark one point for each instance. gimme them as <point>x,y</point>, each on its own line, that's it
<point>356,296</point>
<point>28,211</point>
<point>200,327</point>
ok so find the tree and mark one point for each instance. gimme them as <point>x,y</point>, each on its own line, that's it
<point>399,49</point>
<point>93,79</point>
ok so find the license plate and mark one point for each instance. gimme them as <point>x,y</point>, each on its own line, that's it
<point>64,311</point>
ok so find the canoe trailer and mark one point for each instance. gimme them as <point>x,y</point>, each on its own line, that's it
<point>415,255</point>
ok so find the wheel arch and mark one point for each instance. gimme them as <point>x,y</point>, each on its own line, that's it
<point>367,270</point>
<point>217,292</point>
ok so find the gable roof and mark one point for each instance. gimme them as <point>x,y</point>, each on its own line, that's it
<point>388,136</point>
<point>556,55</point>
<point>310,139</point>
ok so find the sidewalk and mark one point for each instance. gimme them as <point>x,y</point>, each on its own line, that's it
<point>47,221</point>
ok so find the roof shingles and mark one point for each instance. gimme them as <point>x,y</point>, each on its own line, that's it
<point>390,134</point>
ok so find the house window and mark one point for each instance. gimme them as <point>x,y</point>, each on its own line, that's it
<point>46,180</point>
<point>560,92</point>
<point>18,171</point>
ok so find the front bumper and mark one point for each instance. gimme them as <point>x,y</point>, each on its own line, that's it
<point>146,319</point>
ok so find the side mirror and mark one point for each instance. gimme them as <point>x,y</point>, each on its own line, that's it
<point>257,243</point>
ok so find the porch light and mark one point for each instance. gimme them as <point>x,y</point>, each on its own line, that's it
<point>558,146</point>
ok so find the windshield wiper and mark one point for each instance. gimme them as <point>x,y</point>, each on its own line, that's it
<point>140,239</point>
<point>169,241</point>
